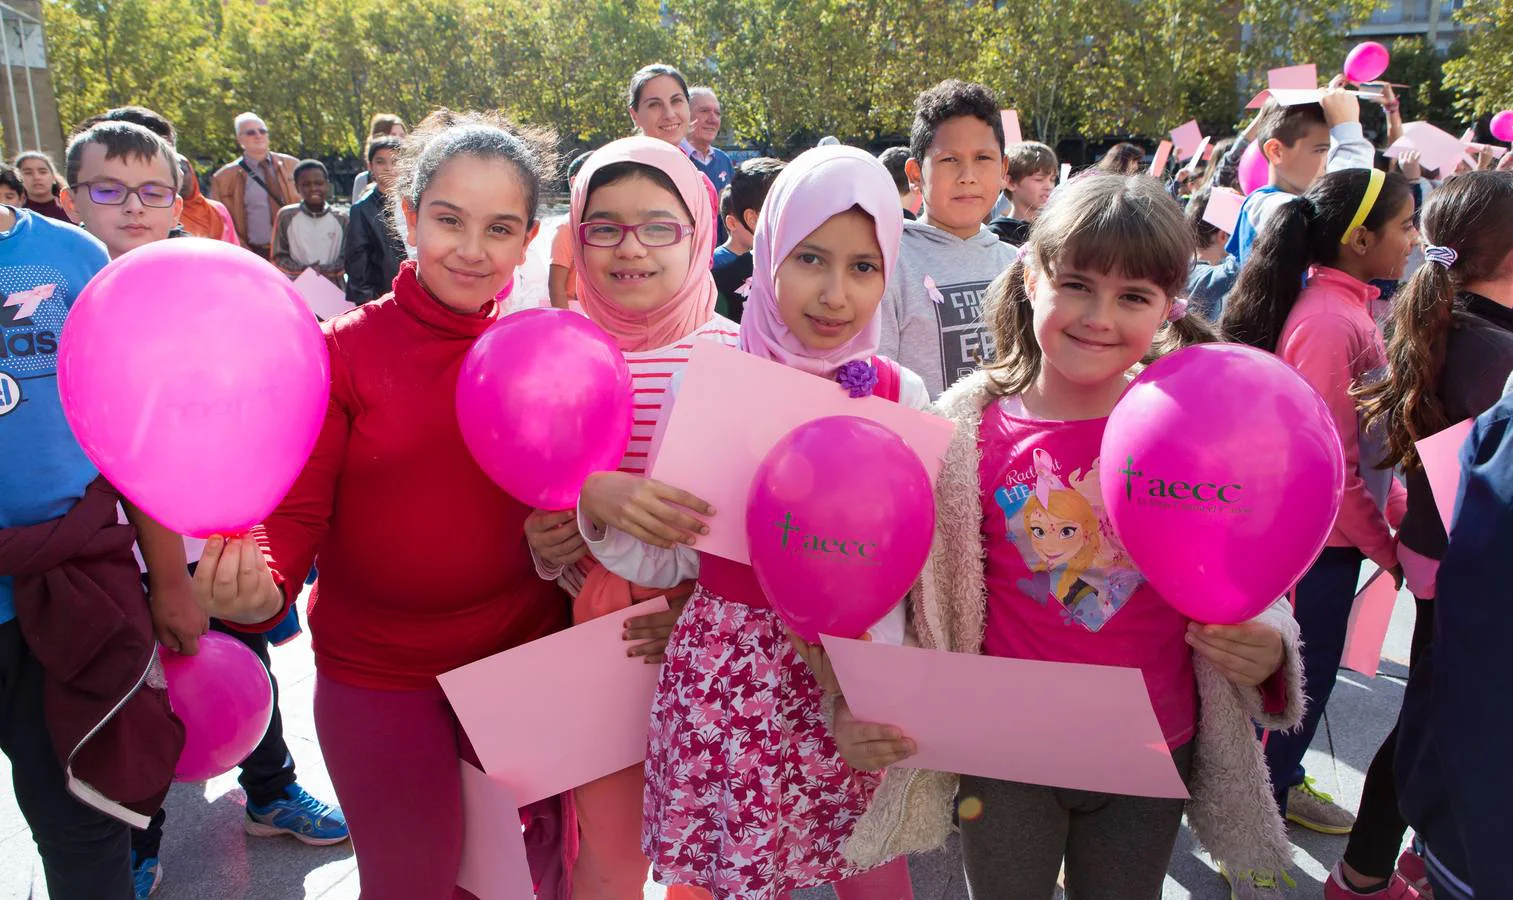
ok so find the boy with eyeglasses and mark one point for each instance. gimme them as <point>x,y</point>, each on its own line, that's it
<point>84,718</point>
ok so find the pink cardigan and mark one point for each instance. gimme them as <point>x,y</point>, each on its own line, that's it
<point>1332,340</point>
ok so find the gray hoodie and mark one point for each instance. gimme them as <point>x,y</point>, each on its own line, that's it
<point>941,339</point>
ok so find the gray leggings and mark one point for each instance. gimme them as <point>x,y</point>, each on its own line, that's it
<point>1116,847</point>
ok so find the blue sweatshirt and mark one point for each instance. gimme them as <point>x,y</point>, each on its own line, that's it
<point>1455,739</point>
<point>44,264</point>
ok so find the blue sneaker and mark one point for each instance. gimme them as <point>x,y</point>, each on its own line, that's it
<point>145,875</point>
<point>298,815</point>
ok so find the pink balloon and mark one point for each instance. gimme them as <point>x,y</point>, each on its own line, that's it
<point>1255,171</point>
<point>840,519</point>
<point>544,401</point>
<point>1222,475</point>
<point>225,700</point>
<point>1367,62</point>
<point>196,379</point>
<point>1502,126</point>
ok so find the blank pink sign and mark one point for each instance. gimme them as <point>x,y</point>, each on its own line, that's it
<point>1367,629</point>
<point>559,712</point>
<point>733,407</point>
<point>1062,724</point>
<point>1011,132</point>
<point>1187,138</point>
<point>1440,453</point>
<point>324,298</point>
<point>494,865</point>
<point>1158,161</point>
<point>1294,78</point>
<point>1223,209</point>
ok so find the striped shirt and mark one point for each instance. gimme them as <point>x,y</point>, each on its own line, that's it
<point>651,373</point>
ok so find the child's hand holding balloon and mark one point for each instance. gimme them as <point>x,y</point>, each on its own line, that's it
<point>554,537</point>
<point>233,582</point>
<point>647,510</point>
<point>1247,653</point>
<point>865,746</point>
<point>818,661</point>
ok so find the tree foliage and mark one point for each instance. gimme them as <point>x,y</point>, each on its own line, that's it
<point>788,71</point>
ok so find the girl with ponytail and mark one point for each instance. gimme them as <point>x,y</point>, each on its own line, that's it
<point>1305,295</point>
<point>1450,353</point>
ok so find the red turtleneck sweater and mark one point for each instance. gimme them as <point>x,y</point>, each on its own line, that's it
<point>423,560</point>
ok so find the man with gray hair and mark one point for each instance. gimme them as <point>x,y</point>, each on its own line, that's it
<point>703,130</point>
<point>255,186</point>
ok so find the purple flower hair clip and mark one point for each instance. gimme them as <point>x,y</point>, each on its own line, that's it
<point>857,377</point>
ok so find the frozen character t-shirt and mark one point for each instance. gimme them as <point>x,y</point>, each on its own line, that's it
<point>1060,585</point>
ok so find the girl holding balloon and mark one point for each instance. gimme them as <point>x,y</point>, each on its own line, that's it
<point>1026,564</point>
<point>640,226</point>
<point>423,562</point>
<point>1349,229</point>
<point>1450,354</point>
<point>746,794</point>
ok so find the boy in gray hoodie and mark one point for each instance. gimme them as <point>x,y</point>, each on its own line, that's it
<point>932,311</point>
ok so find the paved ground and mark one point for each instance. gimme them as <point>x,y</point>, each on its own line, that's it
<point>206,856</point>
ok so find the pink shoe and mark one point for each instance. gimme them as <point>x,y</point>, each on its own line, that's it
<point>1394,888</point>
<point>1411,869</point>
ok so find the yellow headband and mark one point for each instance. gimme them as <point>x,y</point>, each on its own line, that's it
<point>1373,190</point>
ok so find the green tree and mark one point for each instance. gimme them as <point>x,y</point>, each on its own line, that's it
<point>1483,78</point>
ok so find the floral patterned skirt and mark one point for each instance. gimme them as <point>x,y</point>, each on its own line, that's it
<point>746,794</point>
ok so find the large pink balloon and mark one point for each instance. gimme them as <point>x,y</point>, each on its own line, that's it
<point>840,518</point>
<point>1222,475</point>
<point>544,401</point>
<point>196,379</point>
<point>1255,171</point>
<point>225,700</point>
<point>1502,126</point>
<point>1367,62</point>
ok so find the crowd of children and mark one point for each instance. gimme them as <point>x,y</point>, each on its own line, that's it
<point>968,279</point>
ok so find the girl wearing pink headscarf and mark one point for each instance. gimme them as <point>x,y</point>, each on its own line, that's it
<point>642,235</point>
<point>746,794</point>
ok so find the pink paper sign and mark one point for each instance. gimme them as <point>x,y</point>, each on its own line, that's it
<point>1367,629</point>
<point>1066,173</point>
<point>1294,78</point>
<point>494,865</point>
<point>1223,209</point>
<point>1059,724</point>
<point>1187,138</point>
<point>1286,97</point>
<point>324,298</point>
<point>1440,453</point>
<point>1011,133</point>
<point>1158,161</point>
<point>733,407</point>
<point>1201,155</point>
<point>587,720</point>
<point>1437,149</point>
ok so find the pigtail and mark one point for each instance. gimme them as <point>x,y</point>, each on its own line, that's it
<point>1187,331</point>
<point>1012,325</point>
<point>1406,402</point>
<point>1272,277</point>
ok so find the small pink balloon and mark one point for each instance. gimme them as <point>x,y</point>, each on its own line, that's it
<point>1367,62</point>
<point>196,379</point>
<point>1255,171</point>
<point>1223,526</point>
<point>224,698</point>
<point>840,517</point>
<point>1502,126</point>
<point>544,401</point>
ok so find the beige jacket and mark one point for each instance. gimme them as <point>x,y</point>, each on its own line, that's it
<point>1232,811</point>
<point>229,186</point>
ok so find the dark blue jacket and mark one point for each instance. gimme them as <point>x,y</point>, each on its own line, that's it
<point>1454,763</point>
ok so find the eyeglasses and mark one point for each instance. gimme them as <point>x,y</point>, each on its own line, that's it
<point>255,132</point>
<point>114,193</point>
<point>650,234</point>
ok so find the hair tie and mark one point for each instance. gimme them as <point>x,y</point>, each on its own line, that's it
<point>1443,256</point>
<point>1178,310</point>
<point>1373,190</point>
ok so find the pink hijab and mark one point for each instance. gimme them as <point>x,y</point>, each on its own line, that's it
<point>693,304</point>
<point>819,184</point>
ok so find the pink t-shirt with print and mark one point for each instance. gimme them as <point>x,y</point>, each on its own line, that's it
<point>1060,585</point>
